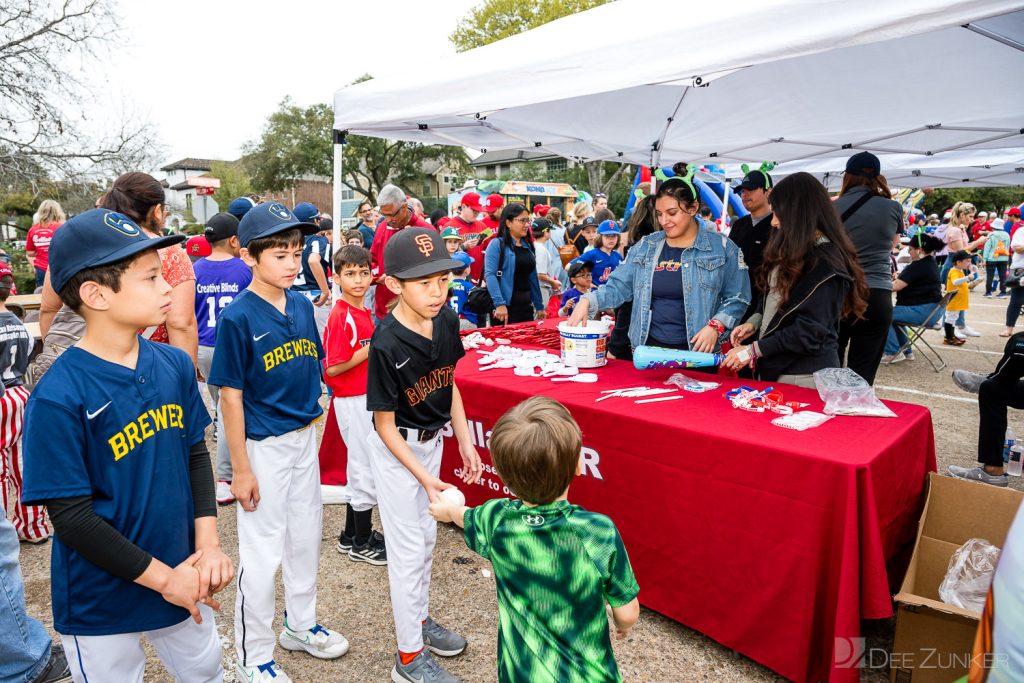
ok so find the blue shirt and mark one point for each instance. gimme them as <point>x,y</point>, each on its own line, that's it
<point>367,233</point>
<point>571,294</point>
<point>458,292</point>
<point>273,359</point>
<point>315,244</point>
<point>604,263</point>
<point>217,283</point>
<point>668,312</point>
<point>122,436</point>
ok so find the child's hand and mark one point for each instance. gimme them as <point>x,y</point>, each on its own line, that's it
<point>246,490</point>
<point>182,587</point>
<point>442,510</point>
<point>471,467</point>
<point>433,487</point>
<point>215,571</point>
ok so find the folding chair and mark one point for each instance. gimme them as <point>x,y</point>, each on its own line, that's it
<point>915,335</point>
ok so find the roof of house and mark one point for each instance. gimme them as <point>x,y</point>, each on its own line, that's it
<point>190,164</point>
<point>502,156</point>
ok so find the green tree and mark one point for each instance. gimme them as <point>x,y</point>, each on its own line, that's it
<point>234,181</point>
<point>985,198</point>
<point>496,19</point>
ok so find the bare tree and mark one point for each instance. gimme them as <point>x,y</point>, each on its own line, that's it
<point>42,102</point>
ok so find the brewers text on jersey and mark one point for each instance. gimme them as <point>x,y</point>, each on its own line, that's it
<point>145,426</point>
<point>289,351</point>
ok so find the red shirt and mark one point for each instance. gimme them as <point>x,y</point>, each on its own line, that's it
<point>476,269</point>
<point>348,330</point>
<point>380,240</point>
<point>38,240</point>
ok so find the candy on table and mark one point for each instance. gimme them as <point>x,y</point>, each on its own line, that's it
<point>690,384</point>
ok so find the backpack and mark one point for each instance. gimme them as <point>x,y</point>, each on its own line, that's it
<point>65,331</point>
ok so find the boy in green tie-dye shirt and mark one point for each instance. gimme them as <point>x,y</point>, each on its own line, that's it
<point>556,565</point>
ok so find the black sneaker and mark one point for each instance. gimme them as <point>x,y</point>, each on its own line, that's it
<point>374,552</point>
<point>56,669</point>
<point>344,543</point>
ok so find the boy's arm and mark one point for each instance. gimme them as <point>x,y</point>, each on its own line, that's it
<point>625,617</point>
<point>471,467</point>
<point>358,357</point>
<point>244,486</point>
<point>320,276</point>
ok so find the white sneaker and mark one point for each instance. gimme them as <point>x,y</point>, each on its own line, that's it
<point>224,495</point>
<point>317,641</point>
<point>889,359</point>
<point>959,333</point>
<point>969,331</point>
<point>271,672</point>
<point>333,495</point>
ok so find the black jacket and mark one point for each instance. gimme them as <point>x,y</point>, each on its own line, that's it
<point>802,337</point>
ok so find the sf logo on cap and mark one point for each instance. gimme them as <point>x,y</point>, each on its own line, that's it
<point>120,223</point>
<point>280,211</point>
<point>425,244</point>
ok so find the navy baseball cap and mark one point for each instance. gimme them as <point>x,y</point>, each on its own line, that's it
<point>417,252</point>
<point>305,211</point>
<point>98,237</point>
<point>864,164</point>
<point>269,218</point>
<point>239,207</point>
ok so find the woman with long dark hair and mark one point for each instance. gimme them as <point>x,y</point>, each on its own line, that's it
<point>918,289</point>
<point>687,283</point>
<point>510,270</point>
<point>811,281</point>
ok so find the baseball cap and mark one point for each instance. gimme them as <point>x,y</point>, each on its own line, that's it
<point>588,221</point>
<point>417,252</point>
<point>981,213</point>
<point>472,200</point>
<point>98,237</point>
<point>493,203</point>
<point>269,218</point>
<point>305,212</point>
<point>451,234</point>
<point>755,180</point>
<point>5,270</point>
<point>539,225</point>
<point>864,164</point>
<point>198,246</point>
<point>608,228</point>
<point>220,227</point>
<point>326,225</point>
<point>463,258</point>
<point>1013,212</point>
<point>239,207</point>
<point>443,221</point>
<point>576,266</point>
<point>541,210</point>
<point>958,256</point>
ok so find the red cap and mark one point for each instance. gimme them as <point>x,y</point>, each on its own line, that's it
<point>198,246</point>
<point>443,221</point>
<point>472,200</point>
<point>1013,212</point>
<point>493,203</point>
<point>541,209</point>
<point>5,269</point>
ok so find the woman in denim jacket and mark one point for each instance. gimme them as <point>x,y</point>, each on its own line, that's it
<point>689,285</point>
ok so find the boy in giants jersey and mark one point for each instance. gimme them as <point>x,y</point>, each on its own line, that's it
<point>267,365</point>
<point>15,346</point>
<point>411,391</point>
<point>552,627</point>
<point>220,277</point>
<point>347,345</point>
<point>115,447</point>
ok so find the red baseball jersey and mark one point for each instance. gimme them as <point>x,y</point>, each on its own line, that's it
<point>348,329</point>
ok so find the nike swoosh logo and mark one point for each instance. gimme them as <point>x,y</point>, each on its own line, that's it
<point>398,366</point>
<point>91,415</point>
<point>255,338</point>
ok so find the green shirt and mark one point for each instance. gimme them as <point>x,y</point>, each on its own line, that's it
<point>555,567</point>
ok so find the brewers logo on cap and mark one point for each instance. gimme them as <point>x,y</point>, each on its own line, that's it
<point>280,211</point>
<point>121,223</point>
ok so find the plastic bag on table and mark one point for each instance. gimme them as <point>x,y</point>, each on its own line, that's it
<point>844,392</point>
<point>969,575</point>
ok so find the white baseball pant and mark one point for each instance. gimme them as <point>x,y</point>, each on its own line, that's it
<point>355,423</point>
<point>222,468</point>
<point>284,529</point>
<point>28,520</point>
<point>411,534</point>
<point>191,653</point>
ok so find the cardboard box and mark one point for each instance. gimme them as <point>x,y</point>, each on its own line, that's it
<point>934,640</point>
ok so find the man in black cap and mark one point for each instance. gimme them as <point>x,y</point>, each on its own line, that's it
<point>751,232</point>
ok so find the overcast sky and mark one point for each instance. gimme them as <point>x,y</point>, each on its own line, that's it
<point>208,73</point>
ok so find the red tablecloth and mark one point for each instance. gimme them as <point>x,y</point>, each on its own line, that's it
<point>772,542</point>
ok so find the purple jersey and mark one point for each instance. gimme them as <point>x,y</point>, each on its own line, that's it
<point>217,284</point>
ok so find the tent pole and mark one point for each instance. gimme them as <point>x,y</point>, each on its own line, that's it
<point>339,148</point>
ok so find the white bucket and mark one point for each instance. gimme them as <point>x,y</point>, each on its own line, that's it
<point>584,347</point>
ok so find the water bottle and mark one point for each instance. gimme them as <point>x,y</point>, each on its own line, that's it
<point>1013,467</point>
<point>1011,440</point>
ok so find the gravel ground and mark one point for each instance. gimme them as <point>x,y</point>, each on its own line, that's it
<point>353,597</point>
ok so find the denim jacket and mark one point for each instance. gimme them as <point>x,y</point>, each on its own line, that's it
<point>500,286</point>
<point>716,284</point>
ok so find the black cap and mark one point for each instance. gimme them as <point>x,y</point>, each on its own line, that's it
<point>540,225</point>
<point>221,226</point>
<point>576,266</point>
<point>959,256</point>
<point>588,221</point>
<point>417,252</point>
<point>755,180</point>
<point>326,225</point>
<point>864,164</point>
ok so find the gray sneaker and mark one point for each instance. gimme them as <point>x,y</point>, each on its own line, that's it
<point>442,641</point>
<point>423,669</point>
<point>979,474</point>
<point>968,381</point>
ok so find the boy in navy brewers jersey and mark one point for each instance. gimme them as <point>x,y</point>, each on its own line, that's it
<point>114,446</point>
<point>220,277</point>
<point>267,365</point>
<point>347,345</point>
<point>411,391</point>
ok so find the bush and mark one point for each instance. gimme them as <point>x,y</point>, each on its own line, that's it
<point>193,229</point>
